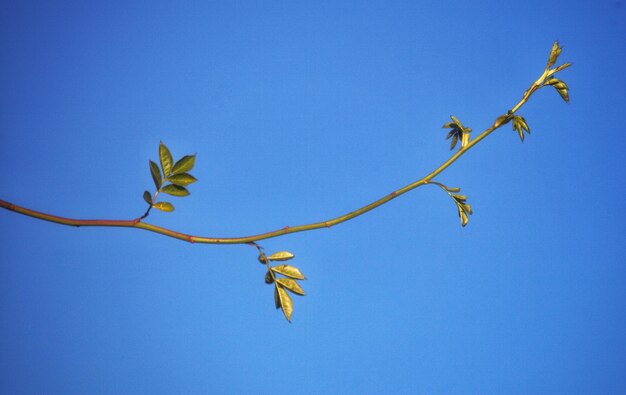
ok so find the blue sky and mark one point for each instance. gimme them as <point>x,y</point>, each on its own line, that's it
<point>298,113</point>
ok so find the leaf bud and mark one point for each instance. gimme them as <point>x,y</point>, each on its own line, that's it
<point>554,54</point>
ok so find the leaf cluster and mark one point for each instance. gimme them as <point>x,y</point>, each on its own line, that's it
<point>171,178</point>
<point>555,51</point>
<point>284,277</point>
<point>520,125</point>
<point>464,208</point>
<point>560,86</point>
<point>458,132</point>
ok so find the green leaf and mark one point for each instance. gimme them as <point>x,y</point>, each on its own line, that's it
<point>564,94</point>
<point>156,174</point>
<point>184,164</point>
<point>524,125</point>
<point>285,301</point>
<point>464,217</point>
<point>454,189</point>
<point>467,208</point>
<point>147,197</point>
<point>457,122</point>
<point>460,198</point>
<point>183,179</point>
<point>175,190</point>
<point>465,139</point>
<point>552,81</point>
<point>276,298</point>
<point>166,159</point>
<point>280,256</point>
<point>289,271</point>
<point>560,86</point>
<point>520,125</point>
<point>163,206</point>
<point>554,54</point>
<point>291,285</point>
<point>455,138</point>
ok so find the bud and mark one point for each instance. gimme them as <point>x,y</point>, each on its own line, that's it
<point>501,120</point>
<point>554,54</point>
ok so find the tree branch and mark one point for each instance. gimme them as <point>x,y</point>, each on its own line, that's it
<point>546,78</point>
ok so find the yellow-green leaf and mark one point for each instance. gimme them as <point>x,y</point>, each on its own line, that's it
<point>464,217</point>
<point>175,190</point>
<point>554,54</point>
<point>184,164</point>
<point>291,285</point>
<point>163,206</point>
<point>467,208</point>
<point>457,122</point>
<point>182,179</point>
<point>465,139</point>
<point>454,189</point>
<point>552,81</point>
<point>281,256</point>
<point>460,198</point>
<point>289,271</point>
<point>557,83</point>
<point>156,174</point>
<point>560,86</point>
<point>147,197</point>
<point>455,138</point>
<point>564,94</point>
<point>276,298</point>
<point>166,159</point>
<point>285,302</point>
<point>519,125</point>
<point>523,124</point>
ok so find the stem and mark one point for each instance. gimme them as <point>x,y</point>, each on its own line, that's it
<point>146,213</point>
<point>150,206</point>
<point>266,262</point>
<point>136,223</point>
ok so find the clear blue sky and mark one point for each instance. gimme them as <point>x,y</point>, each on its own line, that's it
<point>299,112</point>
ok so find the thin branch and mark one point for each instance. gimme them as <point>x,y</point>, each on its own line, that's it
<point>136,223</point>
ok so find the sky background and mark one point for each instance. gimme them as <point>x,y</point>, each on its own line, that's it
<point>300,112</point>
